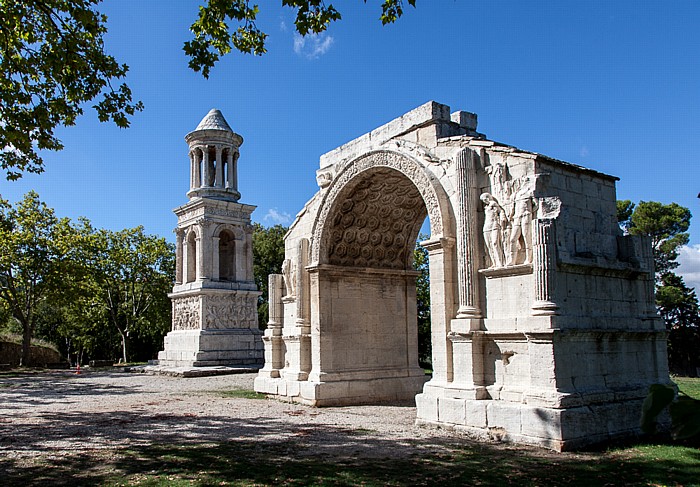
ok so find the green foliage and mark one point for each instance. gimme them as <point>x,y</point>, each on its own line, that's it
<point>53,62</point>
<point>85,290</point>
<point>624,213</point>
<point>666,225</point>
<point>678,306</point>
<point>268,255</point>
<point>130,274</point>
<point>213,37</point>
<point>420,263</point>
<point>36,252</point>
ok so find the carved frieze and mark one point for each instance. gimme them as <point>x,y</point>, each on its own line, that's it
<point>186,313</point>
<point>229,311</point>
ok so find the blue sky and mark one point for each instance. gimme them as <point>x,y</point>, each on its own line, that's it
<point>614,86</point>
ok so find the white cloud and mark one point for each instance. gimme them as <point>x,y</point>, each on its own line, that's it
<point>277,217</point>
<point>312,46</point>
<point>283,25</point>
<point>689,269</point>
<point>584,152</point>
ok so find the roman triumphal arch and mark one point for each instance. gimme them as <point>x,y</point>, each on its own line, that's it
<point>543,326</point>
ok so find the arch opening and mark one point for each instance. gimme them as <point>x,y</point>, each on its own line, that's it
<point>370,240</point>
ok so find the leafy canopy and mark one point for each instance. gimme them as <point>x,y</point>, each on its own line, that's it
<point>36,253</point>
<point>213,37</point>
<point>268,255</point>
<point>666,225</point>
<point>52,61</point>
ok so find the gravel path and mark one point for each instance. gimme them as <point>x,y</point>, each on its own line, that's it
<point>60,412</point>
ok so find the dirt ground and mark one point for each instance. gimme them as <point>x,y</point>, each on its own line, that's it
<point>48,416</point>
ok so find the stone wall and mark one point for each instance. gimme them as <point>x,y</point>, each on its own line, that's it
<point>11,353</point>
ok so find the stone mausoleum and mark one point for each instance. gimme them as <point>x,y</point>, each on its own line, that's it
<point>215,318</point>
<point>543,323</point>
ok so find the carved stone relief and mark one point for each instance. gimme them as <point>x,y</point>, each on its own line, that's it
<point>289,271</point>
<point>186,313</point>
<point>508,213</point>
<point>229,311</point>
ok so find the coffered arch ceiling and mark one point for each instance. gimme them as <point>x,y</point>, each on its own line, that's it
<point>375,221</point>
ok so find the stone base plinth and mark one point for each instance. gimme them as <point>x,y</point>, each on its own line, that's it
<point>557,429</point>
<point>206,348</point>
<point>343,392</point>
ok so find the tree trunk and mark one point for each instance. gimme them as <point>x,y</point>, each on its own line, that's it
<point>123,345</point>
<point>26,344</point>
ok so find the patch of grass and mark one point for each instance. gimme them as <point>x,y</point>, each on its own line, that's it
<point>241,394</point>
<point>688,385</point>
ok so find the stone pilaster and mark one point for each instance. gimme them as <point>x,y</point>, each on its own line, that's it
<point>179,254</point>
<point>544,247</point>
<point>441,306</point>
<point>215,258</point>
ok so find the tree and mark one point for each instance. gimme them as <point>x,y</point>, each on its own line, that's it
<point>53,62</point>
<point>36,255</point>
<point>213,37</point>
<point>131,274</point>
<point>420,263</point>
<point>666,225</point>
<point>624,213</point>
<point>268,255</point>
<point>678,306</point>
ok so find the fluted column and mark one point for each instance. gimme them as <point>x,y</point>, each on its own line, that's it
<point>544,267</point>
<point>234,170</point>
<point>192,169</point>
<point>230,173</point>
<point>219,181</point>
<point>467,277</point>
<point>197,168</point>
<point>207,167</point>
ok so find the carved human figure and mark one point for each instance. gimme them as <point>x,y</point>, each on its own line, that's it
<point>521,223</point>
<point>494,226</point>
<point>500,185</point>
<point>290,276</point>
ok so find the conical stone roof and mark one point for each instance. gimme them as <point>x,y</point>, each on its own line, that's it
<point>214,120</point>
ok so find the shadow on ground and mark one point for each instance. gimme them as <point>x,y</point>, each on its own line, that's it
<point>189,450</point>
<point>29,389</point>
